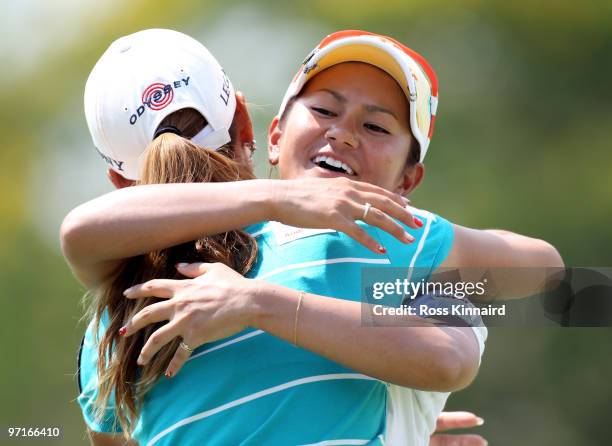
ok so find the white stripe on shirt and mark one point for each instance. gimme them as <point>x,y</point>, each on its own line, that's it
<point>225,344</point>
<point>254,396</point>
<point>324,262</point>
<point>419,249</point>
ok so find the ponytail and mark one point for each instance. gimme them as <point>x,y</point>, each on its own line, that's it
<point>168,159</point>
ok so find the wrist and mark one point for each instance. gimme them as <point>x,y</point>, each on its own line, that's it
<point>281,200</point>
<point>256,302</point>
<point>276,196</point>
<point>254,199</point>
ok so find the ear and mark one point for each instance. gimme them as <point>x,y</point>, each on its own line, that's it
<point>243,120</point>
<point>274,136</point>
<point>118,180</point>
<point>411,178</point>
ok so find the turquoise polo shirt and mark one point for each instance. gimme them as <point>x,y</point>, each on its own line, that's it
<point>255,389</point>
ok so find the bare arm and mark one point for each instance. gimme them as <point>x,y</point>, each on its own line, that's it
<point>135,220</point>
<point>516,264</point>
<point>132,221</point>
<point>427,358</point>
<point>220,302</point>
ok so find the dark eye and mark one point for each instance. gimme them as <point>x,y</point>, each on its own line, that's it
<point>323,111</point>
<point>377,129</point>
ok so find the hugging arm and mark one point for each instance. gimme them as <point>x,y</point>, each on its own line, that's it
<point>131,221</point>
<point>517,265</point>
<point>219,302</point>
<point>410,354</point>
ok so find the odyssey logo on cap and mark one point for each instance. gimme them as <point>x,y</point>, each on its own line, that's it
<point>157,96</point>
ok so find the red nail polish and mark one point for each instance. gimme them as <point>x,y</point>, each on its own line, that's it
<point>382,249</point>
<point>122,331</point>
<point>418,222</point>
<point>168,374</point>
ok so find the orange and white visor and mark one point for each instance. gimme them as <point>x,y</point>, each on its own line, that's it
<point>412,72</point>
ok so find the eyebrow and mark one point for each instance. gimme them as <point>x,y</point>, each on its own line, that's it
<point>335,94</point>
<point>375,108</point>
<point>371,108</point>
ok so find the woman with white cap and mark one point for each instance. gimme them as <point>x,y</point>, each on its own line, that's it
<point>327,326</point>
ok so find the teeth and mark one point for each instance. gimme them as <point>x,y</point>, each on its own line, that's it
<point>334,163</point>
<point>347,168</point>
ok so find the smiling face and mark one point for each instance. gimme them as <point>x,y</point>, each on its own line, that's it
<point>350,120</point>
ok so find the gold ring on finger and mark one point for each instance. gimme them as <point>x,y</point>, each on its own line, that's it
<point>368,206</point>
<point>185,347</point>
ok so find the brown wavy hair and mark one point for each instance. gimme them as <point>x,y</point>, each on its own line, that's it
<point>168,159</point>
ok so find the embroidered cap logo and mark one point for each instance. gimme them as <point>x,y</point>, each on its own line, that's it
<point>157,96</point>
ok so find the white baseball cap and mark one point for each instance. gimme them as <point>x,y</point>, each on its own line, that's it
<point>410,70</point>
<point>144,77</point>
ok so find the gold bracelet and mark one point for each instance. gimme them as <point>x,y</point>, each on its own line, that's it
<point>297,315</point>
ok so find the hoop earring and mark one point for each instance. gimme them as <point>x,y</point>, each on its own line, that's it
<point>273,168</point>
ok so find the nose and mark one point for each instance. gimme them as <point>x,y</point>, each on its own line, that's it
<point>342,136</point>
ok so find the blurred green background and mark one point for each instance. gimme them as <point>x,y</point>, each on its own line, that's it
<point>522,143</point>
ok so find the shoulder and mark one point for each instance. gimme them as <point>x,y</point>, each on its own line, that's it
<point>432,222</point>
<point>437,235</point>
<point>433,241</point>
